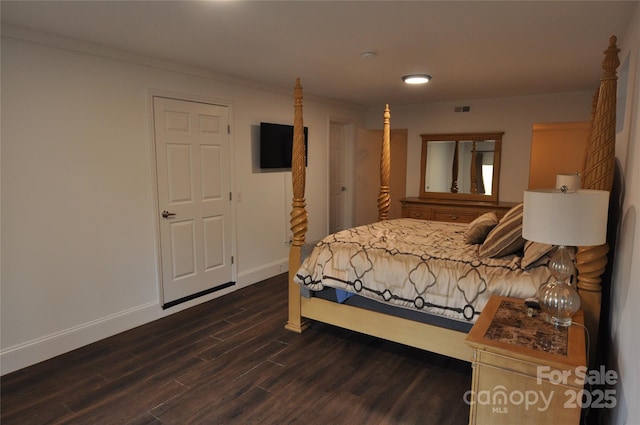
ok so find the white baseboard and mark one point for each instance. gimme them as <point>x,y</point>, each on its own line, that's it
<point>49,346</point>
<point>261,273</point>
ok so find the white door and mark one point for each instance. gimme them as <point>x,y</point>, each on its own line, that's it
<point>192,162</point>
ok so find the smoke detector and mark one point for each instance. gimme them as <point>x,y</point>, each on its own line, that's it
<point>368,54</point>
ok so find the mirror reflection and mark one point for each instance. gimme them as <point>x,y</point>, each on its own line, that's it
<point>462,166</point>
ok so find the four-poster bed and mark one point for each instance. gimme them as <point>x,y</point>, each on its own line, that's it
<point>446,340</point>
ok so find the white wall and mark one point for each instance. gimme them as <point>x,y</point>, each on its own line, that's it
<point>625,290</point>
<point>79,251</point>
<point>515,116</point>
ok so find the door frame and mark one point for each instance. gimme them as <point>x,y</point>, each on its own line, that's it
<point>347,168</point>
<point>151,93</point>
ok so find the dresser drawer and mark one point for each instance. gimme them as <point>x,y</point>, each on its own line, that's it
<point>453,216</point>
<point>416,212</point>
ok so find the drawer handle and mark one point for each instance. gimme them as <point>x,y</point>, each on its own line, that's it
<point>453,217</point>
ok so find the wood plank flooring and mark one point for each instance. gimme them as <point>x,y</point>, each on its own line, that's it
<point>230,361</point>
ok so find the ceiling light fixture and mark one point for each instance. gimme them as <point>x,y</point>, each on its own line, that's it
<point>416,78</point>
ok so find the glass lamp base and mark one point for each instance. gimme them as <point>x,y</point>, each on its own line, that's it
<point>558,298</point>
<point>559,301</point>
<point>557,321</point>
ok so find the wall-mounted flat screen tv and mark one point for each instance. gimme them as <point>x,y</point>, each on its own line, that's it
<point>276,143</point>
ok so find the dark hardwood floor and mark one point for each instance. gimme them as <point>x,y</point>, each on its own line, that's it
<point>230,361</point>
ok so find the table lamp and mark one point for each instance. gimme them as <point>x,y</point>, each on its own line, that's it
<point>563,217</point>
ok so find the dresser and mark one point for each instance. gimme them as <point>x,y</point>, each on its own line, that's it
<point>525,370</point>
<point>453,211</point>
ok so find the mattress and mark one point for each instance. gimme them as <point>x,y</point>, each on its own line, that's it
<point>418,265</point>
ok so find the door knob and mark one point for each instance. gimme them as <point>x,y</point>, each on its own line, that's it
<point>167,214</point>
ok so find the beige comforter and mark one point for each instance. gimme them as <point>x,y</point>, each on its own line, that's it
<point>417,264</point>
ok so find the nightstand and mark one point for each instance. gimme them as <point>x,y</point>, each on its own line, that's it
<point>525,370</point>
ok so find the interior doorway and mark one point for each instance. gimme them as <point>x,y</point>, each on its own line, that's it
<point>557,148</point>
<point>367,174</point>
<point>340,175</point>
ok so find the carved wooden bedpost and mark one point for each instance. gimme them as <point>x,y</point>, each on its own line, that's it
<point>598,174</point>
<point>384,199</point>
<point>474,169</point>
<point>298,213</point>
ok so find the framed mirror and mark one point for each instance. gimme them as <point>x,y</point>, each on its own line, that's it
<point>463,166</point>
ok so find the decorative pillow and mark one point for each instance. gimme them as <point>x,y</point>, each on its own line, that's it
<point>506,237</point>
<point>480,227</point>
<point>533,251</point>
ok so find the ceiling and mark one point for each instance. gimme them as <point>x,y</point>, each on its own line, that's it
<point>473,49</point>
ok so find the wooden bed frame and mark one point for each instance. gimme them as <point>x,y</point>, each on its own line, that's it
<point>598,173</point>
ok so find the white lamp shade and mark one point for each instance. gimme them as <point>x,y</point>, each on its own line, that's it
<point>571,181</point>
<point>574,218</point>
